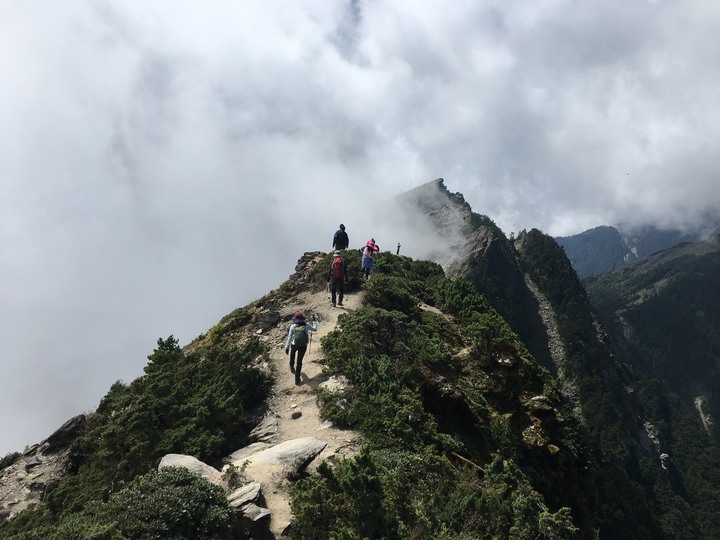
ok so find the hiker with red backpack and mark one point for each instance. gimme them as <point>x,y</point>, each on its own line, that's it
<point>368,254</point>
<point>297,342</point>
<point>338,277</point>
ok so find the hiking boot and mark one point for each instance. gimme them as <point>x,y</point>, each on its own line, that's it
<point>297,381</point>
<point>333,304</point>
<point>292,367</point>
<point>340,304</point>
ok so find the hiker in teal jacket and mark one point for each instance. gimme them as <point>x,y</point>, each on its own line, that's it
<point>297,342</point>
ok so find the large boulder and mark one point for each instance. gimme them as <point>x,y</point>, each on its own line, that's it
<point>291,457</point>
<point>190,463</point>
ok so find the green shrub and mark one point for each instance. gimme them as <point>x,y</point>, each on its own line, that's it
<point>173,503</point>
<point>8,460</point>
<point>390,293</point>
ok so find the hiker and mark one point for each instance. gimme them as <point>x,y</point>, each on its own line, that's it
<point>338,277</point>
<point>297,341</point>
<point>341,240</point>
<point>371,248</point>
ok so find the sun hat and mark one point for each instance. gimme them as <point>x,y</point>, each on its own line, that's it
<point>337,253</point>
<point>298,317</point>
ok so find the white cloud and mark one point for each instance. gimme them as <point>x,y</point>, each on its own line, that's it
<point>162,163</point>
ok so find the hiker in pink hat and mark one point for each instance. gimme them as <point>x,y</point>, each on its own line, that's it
<point>371,248</point>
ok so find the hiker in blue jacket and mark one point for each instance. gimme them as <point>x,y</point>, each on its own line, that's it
<point>341,240</point>
<point>297,341</point>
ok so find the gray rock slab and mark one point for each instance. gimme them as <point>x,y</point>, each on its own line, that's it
<point>244,495</point>
<point>193,464</point>
<point>238,456</point>
<point>293,455</point>
<point>265,430</point>
<point>253,512</point>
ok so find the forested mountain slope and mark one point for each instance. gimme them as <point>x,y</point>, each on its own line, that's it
<point>667,309</point>
<point>603,249</point>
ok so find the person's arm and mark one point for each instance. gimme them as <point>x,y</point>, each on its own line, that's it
<point>312,326</point>
<point>335,239</point>
<point>289,339</point>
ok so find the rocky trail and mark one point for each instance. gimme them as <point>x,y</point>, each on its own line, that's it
<point>293,424</point>
<point>291,440</point>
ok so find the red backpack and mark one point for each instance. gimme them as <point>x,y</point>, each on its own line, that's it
<point>337,268</point>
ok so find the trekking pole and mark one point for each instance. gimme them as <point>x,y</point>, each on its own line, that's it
<point>311,335</point>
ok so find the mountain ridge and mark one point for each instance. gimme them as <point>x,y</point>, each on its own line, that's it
<point>490,400</point>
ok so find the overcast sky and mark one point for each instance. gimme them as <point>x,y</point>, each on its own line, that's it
<point>164,162</point>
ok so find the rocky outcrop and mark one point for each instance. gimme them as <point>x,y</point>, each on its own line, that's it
<point>190,463</point>
<point>253,466</point>
<point>35,472</point>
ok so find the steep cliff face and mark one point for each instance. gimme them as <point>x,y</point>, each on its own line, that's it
<point>531,282</point>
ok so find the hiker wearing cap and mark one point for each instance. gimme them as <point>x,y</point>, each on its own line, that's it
<point>371,248</point>
<point>297,341</point>
<point>341,240</point>
<point>337,276</point>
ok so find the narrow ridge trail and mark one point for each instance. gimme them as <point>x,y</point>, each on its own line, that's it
<point>288,399</point>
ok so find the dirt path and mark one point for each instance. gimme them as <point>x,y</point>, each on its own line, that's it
<point>288,400</point>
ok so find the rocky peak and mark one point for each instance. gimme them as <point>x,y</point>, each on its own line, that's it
<point>38,469</point>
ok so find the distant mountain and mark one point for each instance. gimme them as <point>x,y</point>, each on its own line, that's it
<point>606,248</point>
<point>667,311</point>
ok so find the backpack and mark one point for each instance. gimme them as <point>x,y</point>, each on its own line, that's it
<point>337,268</point>
<point>300,335</point>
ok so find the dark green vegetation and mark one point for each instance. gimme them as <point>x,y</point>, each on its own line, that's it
<point>172,504</point>
<point>8,459</point>
<point>669,306</point>
<point>192,402</point>
<point>467,436</point>
<point>663,315</point>
<point>638,499</point>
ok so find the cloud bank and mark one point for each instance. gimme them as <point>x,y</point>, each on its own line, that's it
<point>163,163</point>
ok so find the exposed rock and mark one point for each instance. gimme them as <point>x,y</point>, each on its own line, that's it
<point>27,481</point>
<point>267,320</point>
<point>32,462</point>
<point>291,456</point>
<point>239,456</point>
<point>253,512</point>
<point>540,405</point>
<point>192,464</point>
<point>67,433</point>
<point>243,495</point>
<point>336,383</point>
<point>265,430</point>
<point>296,414</point>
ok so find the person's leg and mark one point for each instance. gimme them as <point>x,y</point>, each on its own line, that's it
<point>341,291</point>
<point>333,290</point>
<point>301,354</point>
<point>293,349</point>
